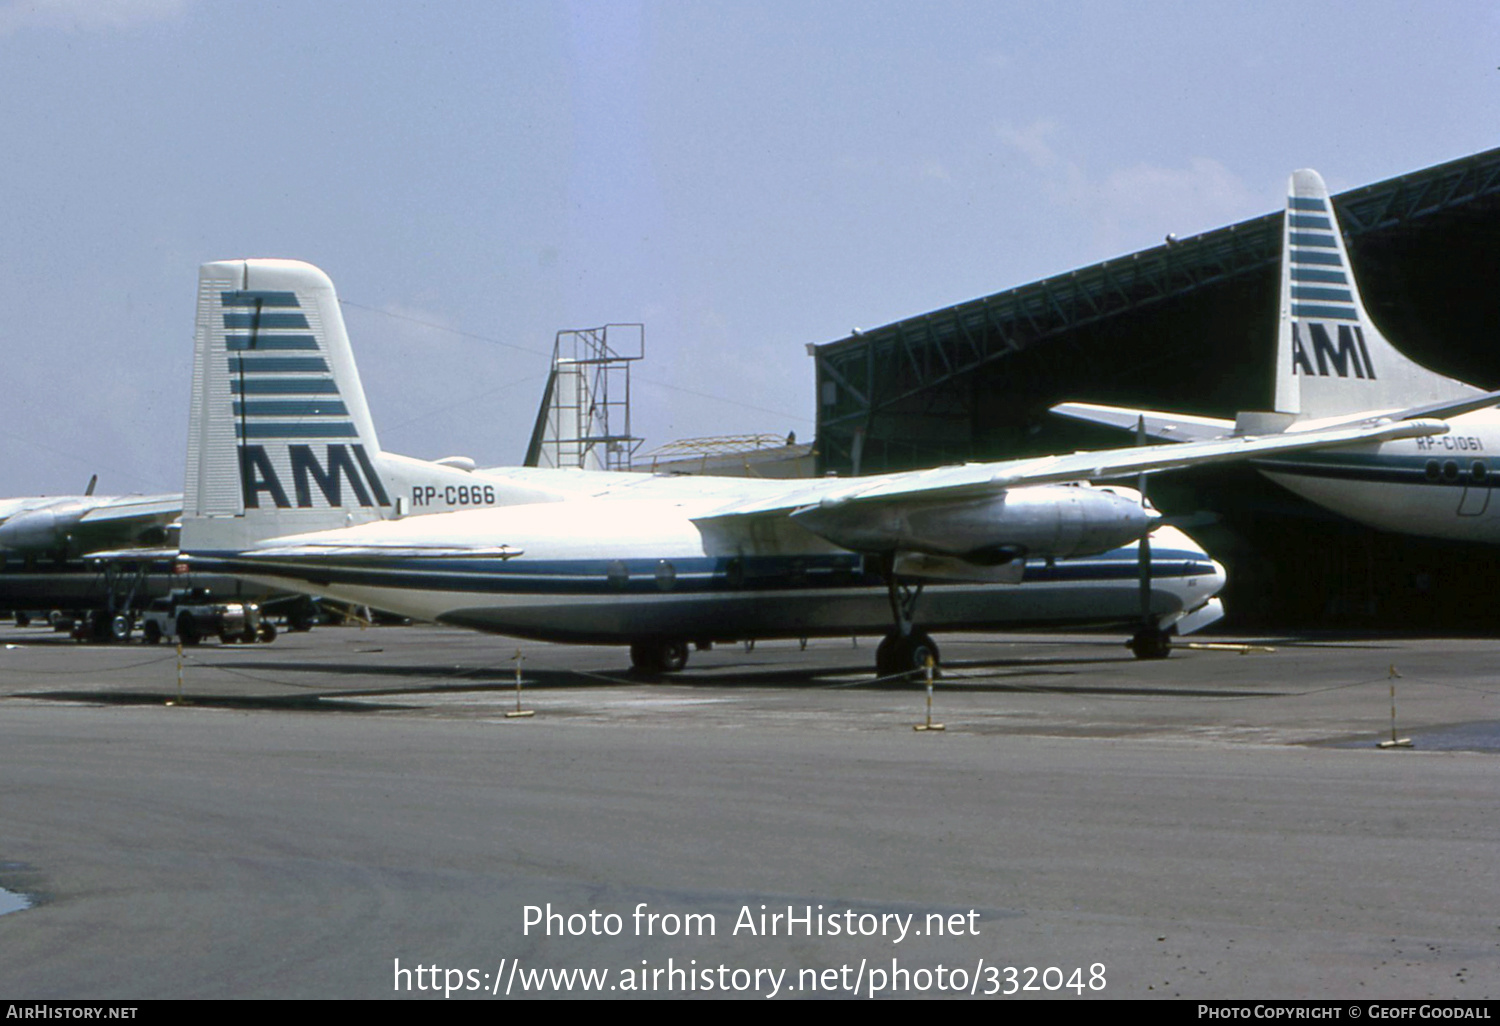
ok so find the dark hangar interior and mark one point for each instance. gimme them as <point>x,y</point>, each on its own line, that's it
<point>1189,326</point>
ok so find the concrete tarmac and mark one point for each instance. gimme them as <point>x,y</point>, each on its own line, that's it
<point>349,813</point>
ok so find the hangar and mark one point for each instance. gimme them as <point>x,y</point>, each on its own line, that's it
<point>1190,326</point>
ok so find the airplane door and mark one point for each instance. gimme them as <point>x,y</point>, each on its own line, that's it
<point>1476,494</point>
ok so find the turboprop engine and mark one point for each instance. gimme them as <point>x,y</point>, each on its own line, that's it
<point>41,529</point>
<point>1040,521</point>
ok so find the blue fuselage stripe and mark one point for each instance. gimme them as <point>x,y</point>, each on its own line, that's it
<point>692,576</point>
<point>1407,471</point>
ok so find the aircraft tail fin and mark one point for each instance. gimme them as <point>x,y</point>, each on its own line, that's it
<point>280,439</point>
<point>1331,360</point>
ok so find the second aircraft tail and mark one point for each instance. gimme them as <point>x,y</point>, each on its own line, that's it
<point>1331,360</point>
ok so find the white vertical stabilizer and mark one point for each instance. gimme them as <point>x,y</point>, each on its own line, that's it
<point>1331,360</point>
<point>280,439</point>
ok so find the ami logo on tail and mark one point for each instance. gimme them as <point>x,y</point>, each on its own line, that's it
<point>278,423</point>
<point>285,399</point>
<point>1323,300</point>
<point>1331,359</point>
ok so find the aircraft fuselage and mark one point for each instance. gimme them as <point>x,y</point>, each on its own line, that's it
<point>1441,486</point>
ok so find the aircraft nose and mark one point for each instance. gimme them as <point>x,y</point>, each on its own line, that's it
<point>1218,577</point>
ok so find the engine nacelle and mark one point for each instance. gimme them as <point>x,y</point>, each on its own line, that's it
<point>1041,521</point>
<point>39,529</point>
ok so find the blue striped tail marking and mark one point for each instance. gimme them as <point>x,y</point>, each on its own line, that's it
<point>264,320</point>
<point>254,298</point>
<point>284,386</point>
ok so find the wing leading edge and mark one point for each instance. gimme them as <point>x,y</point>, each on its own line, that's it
<point>973,480</point>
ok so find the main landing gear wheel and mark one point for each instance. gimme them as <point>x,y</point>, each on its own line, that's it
<point>907,648</point>
<point>1151,644</point>
<point>658,656</point>
<point>897,654</point>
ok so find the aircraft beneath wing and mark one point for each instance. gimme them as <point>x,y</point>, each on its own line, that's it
<point>1334,368</point>
<point>287,484</point>
<point>63,526</point>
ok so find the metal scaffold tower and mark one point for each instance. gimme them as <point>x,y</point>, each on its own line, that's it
<point>585,418</point>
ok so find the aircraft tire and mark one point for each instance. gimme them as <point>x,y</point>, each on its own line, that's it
<point>120,627</point>
<point>897,655</point>
<point>301,616</point>
<point>151,633</point>
<point>1151,644</point>
<point>658,656</point>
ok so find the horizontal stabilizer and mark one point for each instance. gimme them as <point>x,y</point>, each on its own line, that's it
<point>326,550</point>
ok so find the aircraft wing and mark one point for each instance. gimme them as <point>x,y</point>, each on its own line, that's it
<point>1451,407</point>
<point>1183,427</point>
<point>132,555</point>
<point>982,479</point>
<point>1169,427</point>
<point>85,522</point>
<point>313,550</point>
<point>146,508</point>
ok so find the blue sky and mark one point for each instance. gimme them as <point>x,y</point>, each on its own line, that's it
<point>744,178</point>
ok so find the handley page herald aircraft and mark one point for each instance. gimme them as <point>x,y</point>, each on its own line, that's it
<point>1334,368</point>
<point>287,483</point>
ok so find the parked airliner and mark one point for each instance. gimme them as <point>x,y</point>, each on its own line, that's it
<point>60,527</point>
<point>287,484</point>
<point>1335,368</point>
